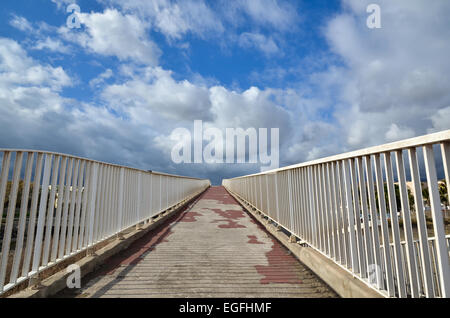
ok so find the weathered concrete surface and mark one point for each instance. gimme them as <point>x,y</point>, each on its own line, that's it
<point>215,249</point>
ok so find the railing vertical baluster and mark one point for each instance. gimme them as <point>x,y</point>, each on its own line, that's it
<point>276,197</point>
<point>332,208</point>
<point>50,211</point>
<point>337,212</point>
<point>10,217</point>
<point>438,222</point>
<point>109,203</point>
<point>76,229</point>
<point>32,216</point>
<point>93,178</point>
<point>445,150</point>
<point>42,212</point>
<point>374,221</point>
<point>62,238</point>
<point>120,204</point>
<point>81,237</point>
<point>4,180</point>
<point>312,207</point>
<point>328,210</point>
<point>160,193</point>
<point>384,227</point>
<point>305,208</point>
<point>350,216</point>
<point>316,214</point>
<point>72,207</point>
<point>323,219</point>
<point>357,213</point>
<point>406,214</point>
<point>22,218</point>
<point>290,194</point>
<point>368,247</point>
<point>395,226</point>
<point>59,202</point>
<point>344,215</point>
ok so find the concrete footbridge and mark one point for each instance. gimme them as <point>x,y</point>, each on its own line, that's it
<point>369,223</point>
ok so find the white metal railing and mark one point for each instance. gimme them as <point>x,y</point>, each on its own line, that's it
<point>57,205</point>
<point>339,206</point>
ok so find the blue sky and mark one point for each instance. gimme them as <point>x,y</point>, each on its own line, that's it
<point>116,88</point>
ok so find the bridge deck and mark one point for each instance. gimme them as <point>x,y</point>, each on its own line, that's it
<point>214,249</point>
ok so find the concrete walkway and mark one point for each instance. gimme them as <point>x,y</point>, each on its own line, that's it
<point>215,249</point>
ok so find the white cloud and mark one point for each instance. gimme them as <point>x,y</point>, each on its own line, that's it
<point>101,78</point>
<point>150,97</point>
<point>396,133</point>
<point>152,93</point>
<point>16,68</point>
<point>441,120</point>
<point>112,33</point>
<point>62,4</point>
<point>258,41</point>
<point>175,18</point>
<point>21,23</point>
<point>53,45</point>
<point>280,15</point>
<point>28,90</point>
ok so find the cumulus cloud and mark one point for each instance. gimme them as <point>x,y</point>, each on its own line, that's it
<point>149,94</point>
<point>112,33</point>
<point>17,68</point>
<point>175,18</point>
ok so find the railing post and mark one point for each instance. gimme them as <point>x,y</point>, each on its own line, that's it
<point>291,208</point>
<point>41,215</point>
<point>445,150</point>
<point>139,198</point>
<point>350,216</point>
<point>276,197</point>
<point>91,199</point>
<point>438,223</point>
<point>120,203</point>
<point>4,180</point>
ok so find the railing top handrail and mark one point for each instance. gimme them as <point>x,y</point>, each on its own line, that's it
<point>96,161</point>
<point>397,145</point>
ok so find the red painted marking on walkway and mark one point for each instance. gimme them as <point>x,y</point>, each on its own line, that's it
<point>190,217</point>
<point>230,217</point>
<point>286,274</point>
<point>230,224</point>
<point>253,240</point>
<point>219,194</point>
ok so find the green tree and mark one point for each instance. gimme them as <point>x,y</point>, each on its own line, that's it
<point>411,200</point>
<point>443,193</point>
